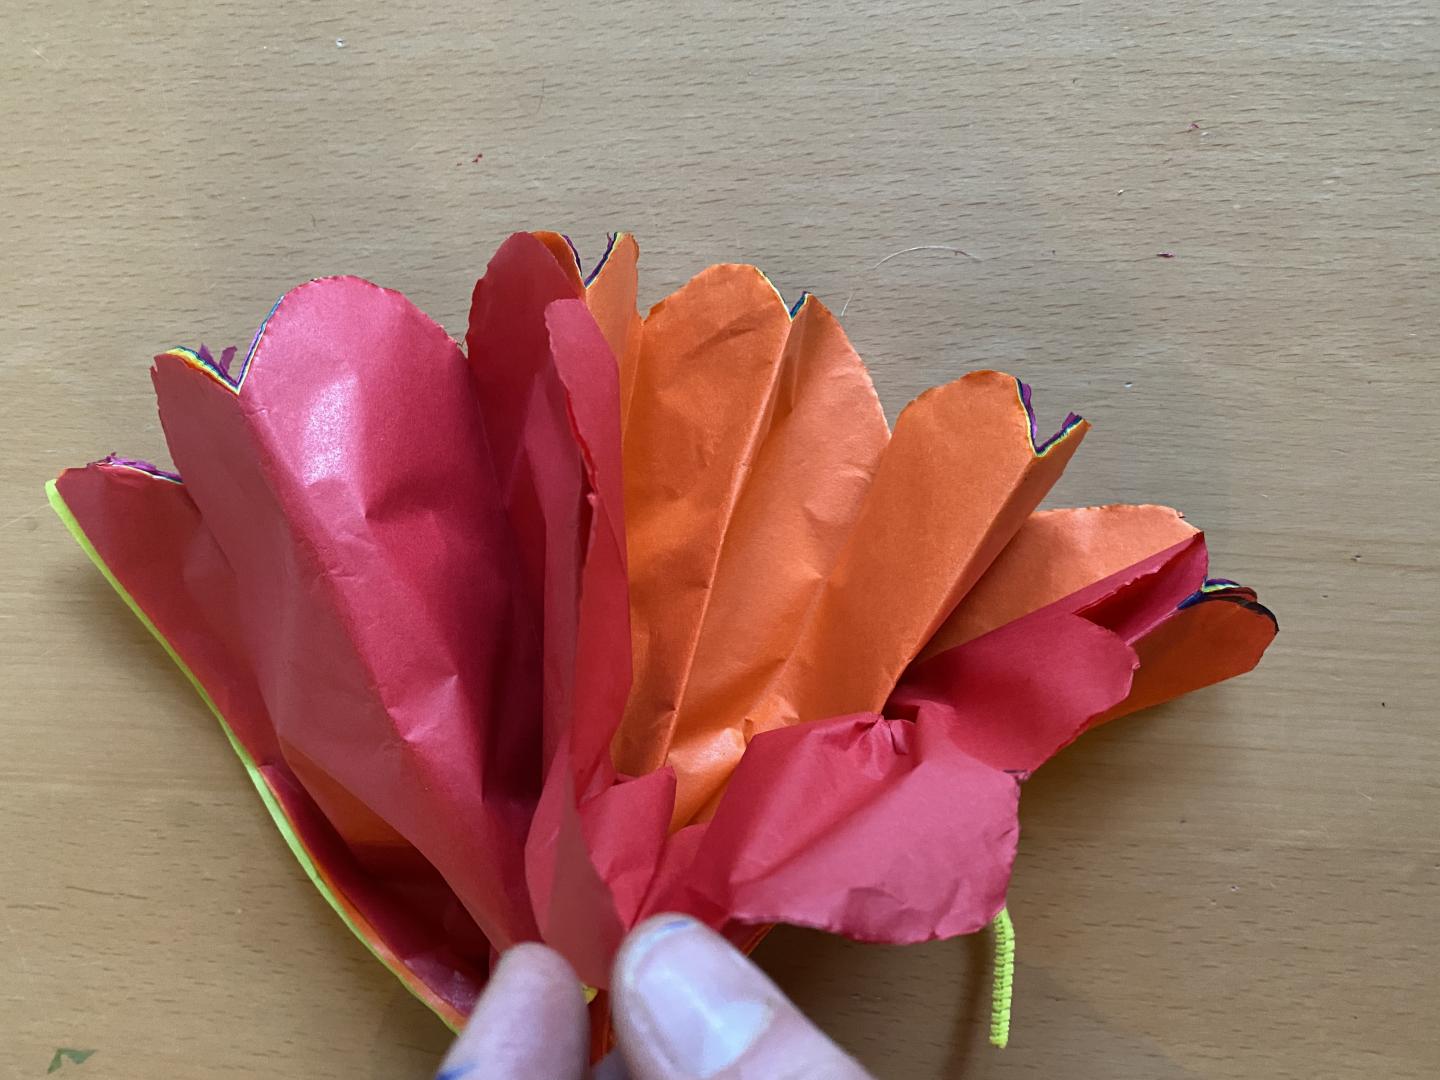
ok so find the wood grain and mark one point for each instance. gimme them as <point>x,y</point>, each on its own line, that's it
<point>1240,885</point>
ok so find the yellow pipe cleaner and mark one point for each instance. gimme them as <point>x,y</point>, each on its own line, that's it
<point>1003,988</point>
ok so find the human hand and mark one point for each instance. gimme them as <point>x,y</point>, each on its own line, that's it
<point>686,1006</point>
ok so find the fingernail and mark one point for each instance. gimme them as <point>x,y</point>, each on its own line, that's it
<point>702,1003</point>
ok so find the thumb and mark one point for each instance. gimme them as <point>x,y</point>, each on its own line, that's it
<point>529,1024</point>
<point>687,1006</point>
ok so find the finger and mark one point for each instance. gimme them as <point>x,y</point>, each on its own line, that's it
<point>529,1024</point>
<point>687,1006</point>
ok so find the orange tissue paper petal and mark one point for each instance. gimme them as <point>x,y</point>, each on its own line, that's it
<point>1217,636</point>
<point>1000,692</point>
<point>710,357</point>
<point>960,476</point>
<point>565,256</point>
<point>821,436</point>
<point>1056,553</point>
<point>611,297</point>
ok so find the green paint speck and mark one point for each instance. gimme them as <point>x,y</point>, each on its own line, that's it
<point>64,1054</point>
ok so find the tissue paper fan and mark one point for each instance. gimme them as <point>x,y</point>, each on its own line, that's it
<point>602,616</point>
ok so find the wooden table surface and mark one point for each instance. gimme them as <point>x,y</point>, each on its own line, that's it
<point>1245,884</point>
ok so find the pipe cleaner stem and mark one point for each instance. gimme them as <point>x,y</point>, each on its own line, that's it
<point>1003,988</point>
